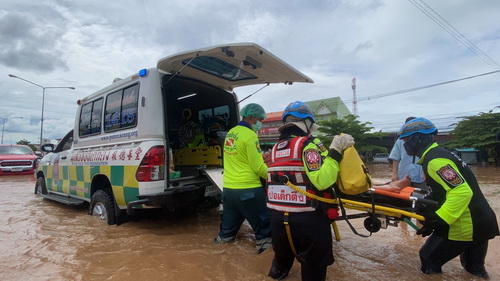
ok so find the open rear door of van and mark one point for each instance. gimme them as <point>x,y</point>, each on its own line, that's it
<point>216,176</point>
<point>231,66</point>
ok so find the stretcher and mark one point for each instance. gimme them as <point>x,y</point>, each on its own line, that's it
<point>382,208</point>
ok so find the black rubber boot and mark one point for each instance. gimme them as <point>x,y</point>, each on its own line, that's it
<point>481,274</point>
<point>276,273</point>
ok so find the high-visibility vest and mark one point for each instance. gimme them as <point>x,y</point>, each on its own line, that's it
<point>286,166</point>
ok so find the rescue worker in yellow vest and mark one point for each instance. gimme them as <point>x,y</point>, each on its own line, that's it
<point>244,196</point>
<point>301,226</point>
<point>464,221</point>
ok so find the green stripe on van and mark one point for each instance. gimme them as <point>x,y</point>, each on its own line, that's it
<point>117,175</point>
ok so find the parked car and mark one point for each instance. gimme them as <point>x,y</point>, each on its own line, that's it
<point>381,158</point>
<point>17,160</point>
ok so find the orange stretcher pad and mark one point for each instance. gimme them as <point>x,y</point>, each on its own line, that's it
<point>405,193</point>
<point>381,210</point>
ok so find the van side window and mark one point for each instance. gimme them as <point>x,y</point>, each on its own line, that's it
<point>90,118</point>
<point>65,143</point>
<point>121,109</point>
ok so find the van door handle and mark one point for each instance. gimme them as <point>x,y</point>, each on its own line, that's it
<point>64,157</point>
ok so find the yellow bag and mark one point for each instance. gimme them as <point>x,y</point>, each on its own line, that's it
<point>353,177</point>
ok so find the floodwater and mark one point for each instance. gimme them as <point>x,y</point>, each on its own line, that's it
<point>45,240</point>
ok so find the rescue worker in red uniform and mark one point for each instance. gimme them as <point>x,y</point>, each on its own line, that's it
<point>301,226</point>
<point>464,221</point>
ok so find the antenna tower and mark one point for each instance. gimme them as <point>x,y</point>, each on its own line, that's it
<point>354,100</point>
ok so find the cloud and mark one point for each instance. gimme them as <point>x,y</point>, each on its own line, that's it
<point>387,45</point>
<point>29,44</point>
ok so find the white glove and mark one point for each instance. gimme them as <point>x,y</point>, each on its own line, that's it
<point>340,143</point>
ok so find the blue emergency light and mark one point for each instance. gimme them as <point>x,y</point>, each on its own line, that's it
<point>143,72</point>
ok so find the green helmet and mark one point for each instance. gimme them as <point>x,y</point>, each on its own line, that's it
<point>253,109</point>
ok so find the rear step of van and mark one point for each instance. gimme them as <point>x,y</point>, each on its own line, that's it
<point>64,199</point>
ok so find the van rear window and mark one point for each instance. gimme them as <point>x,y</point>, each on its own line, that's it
<point>220,68</point>
<point>121,109</point>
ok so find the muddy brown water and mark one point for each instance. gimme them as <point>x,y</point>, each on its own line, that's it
<point>45,240</point>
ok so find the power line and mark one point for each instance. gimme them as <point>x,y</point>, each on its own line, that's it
<point>444,122</point>
<point>444,24</point>
<point>421,87</point>
<point>36,110</point>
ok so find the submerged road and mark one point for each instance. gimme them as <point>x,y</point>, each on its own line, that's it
<point>45,240</point>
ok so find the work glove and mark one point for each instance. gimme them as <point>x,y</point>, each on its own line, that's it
<point>426,230</point>
<point>341,142</point>
<point>432,220</point>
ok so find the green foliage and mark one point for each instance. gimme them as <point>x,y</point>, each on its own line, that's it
<point>352,126</point>
<point>478,131</point>
<point>23,142</point>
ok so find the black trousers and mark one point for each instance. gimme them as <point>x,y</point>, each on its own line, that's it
<point>437,251</point>
<point>312,238</point>
<point>241,204</point>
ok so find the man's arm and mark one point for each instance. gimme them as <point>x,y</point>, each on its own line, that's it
<point>395,165</point>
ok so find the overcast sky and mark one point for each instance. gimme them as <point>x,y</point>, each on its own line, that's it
<point>388,46</point>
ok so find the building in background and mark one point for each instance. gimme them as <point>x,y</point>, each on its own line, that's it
<point>326,109</point>
<point>469,155</point>
<point>323,109</point>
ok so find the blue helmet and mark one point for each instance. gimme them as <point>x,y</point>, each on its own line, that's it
<point>298,109</point>
<point>417,125</point>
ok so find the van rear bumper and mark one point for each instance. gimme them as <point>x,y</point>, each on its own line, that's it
<point>171,198</point>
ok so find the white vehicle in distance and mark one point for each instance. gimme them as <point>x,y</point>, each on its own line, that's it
<point>381,158</point>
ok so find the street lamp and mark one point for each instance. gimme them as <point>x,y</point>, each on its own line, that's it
<point>43,100</point>
<point>3,125</point>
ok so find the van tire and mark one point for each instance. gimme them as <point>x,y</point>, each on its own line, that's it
<point>103,206</point>
<point>40,187</point>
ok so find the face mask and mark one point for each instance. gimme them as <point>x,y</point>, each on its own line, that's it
<point>257,126</point>
<point>413,144</point>
<point>409,149</point>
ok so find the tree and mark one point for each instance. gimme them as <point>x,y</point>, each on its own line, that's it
<point>352,126</point>
<point>25,142</point>
<point>478,131</point>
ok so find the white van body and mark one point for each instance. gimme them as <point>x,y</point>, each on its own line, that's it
<point>117,156</point>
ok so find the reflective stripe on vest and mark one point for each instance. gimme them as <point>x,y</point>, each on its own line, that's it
<point>287,164</point>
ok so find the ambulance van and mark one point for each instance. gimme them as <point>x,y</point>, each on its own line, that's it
<point>155,138</point>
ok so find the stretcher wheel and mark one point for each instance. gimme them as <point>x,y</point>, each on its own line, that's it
<point>372,224</point>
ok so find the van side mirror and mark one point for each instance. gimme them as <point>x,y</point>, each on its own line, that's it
<point>49,147</point>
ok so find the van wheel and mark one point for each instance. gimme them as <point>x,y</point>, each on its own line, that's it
<point>40,187</point>
<point>103,206</point>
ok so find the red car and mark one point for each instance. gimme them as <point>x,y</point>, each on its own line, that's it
<point>17,160</point>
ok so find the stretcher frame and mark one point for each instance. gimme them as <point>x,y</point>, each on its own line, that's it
<point>391,214</point>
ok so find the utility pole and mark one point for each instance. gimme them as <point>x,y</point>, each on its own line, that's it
<point>3,125</point>
<point>43,100</point>
<point>354,100</point>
